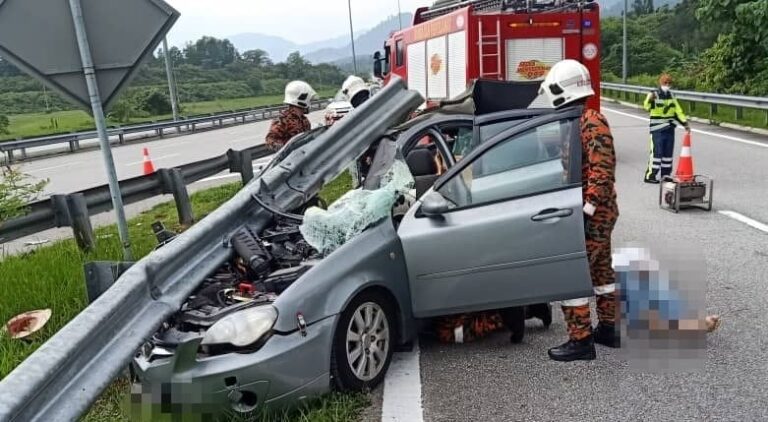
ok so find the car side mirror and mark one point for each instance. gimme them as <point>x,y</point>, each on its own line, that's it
<point>434,205</point>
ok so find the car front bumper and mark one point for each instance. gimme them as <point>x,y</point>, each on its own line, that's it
<point>286,370</point>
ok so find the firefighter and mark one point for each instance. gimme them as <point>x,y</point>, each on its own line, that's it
<point>356,90</point>
<point>293,120</point>
<point>665,113</point>
<point>569,83</point>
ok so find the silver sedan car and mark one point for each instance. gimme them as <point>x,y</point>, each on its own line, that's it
<point>485,216</point>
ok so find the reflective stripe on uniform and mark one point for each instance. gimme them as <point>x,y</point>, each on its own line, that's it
<point>575,302</point>
<point>605,290</point>
<point>651,162</point>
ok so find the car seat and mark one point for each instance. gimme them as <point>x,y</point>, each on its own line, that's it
<point>421,162</point>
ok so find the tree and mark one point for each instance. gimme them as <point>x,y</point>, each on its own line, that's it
<point>5,123</point>
<point>642,7</point>
<point>210,53</point>
<point>738,57</point>
<point>16,193</point>
<point>258,58</point>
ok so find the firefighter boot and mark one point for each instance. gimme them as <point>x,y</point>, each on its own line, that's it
<point>607,335</point>
<point>574,350</point>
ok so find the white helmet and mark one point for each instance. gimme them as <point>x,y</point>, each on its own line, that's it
<point>356,90</point>
<point>566,82</point>
<point>300,94</point>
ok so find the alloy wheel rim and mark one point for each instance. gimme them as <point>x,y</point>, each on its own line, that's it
<point>367,341</point>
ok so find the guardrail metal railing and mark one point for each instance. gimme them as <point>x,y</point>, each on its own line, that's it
<point>739,102</point>
<point>63,377</point>
<point>75,209</point>
<point>118,135</point>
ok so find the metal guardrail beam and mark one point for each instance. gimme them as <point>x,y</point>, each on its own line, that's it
<point>744,101</point>
<point>65,375</point>
<point>188,124</point>
<point>53,212</point>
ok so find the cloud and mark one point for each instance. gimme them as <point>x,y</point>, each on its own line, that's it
<point>300,21</point>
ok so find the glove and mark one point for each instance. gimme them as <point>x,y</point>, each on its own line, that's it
<point>589,209</point>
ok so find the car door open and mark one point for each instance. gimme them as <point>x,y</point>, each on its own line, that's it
<point>503,227</point>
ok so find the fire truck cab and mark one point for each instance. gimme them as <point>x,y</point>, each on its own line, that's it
<point>455,42</point>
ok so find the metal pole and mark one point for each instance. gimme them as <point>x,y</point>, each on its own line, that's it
<point>352,35</point>
<point>624,47</point>
<point>101,127</point>
<point>171,82</point>
<point>399,15</point>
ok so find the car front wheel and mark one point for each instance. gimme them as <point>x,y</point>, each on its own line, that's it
<point>363,343</point>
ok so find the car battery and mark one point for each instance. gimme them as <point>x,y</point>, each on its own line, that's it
<point>675,194</point>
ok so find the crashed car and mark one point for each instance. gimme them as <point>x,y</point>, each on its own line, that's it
<point>320,299</point>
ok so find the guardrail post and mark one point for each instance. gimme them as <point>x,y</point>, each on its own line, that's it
<point>712,110</point>
<point>81,222</point>
<point>100,276</point>
<point>23,153</point>
<point>173,183</point>
<point>121,138</point>
<point>739,113</point>
<point>693,106</point>
<point>241,162</point>
<point>766,117</point>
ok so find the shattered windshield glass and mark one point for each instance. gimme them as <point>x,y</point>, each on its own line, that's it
<point>350,215</point>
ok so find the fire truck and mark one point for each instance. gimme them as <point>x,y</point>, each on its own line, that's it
<point>455,42</point>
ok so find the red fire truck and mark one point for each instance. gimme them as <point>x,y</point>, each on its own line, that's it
<point>455,42</point>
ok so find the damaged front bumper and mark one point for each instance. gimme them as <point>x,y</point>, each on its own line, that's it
<point>286,370</point>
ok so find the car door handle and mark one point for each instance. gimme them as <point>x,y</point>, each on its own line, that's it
<point>551,213</point>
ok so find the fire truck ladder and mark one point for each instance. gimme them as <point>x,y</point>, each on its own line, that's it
<point>493,41</point>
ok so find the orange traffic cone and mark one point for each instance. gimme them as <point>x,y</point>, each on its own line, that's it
<point>149,168</point>
<point>685,162</point>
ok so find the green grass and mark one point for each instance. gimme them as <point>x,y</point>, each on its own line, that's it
<point>52,277</point>
<point>42,124</point>
<point>725,114</point>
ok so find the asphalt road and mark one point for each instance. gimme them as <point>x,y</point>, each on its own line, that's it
<point>493,380</point>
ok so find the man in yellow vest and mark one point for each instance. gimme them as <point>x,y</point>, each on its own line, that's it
<point>666,113</point>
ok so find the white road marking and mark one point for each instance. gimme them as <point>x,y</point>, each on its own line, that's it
<point>162,157</point>
<point>746,220</point>
<point>402,389</point>
<point>224,176</point>
<point>703,132</point>
<point>52,168</point>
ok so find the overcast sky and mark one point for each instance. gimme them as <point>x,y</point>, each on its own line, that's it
<point>300,21</point>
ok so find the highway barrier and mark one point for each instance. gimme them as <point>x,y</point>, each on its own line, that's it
<point>74,209</point>
<point>637,94</point>
<point>63,377</point>
<point>119,135</point>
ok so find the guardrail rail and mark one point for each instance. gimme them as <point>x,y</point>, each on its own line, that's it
<point>75,209</point>
<point>65,375</point>
<point>118,135</point>
<point>739,102</point>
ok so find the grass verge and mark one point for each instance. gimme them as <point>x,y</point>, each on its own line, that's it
<point>52,277</point>
<point>725,114</point>
<point>42,124</point>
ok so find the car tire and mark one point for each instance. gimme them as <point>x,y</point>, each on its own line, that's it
<point>542,311</point>
<point>360,365</point>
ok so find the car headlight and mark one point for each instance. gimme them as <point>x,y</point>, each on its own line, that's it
<point>242,328</point>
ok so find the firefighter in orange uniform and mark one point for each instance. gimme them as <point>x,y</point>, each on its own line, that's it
<point>569,83</point>
<point>293,120</point>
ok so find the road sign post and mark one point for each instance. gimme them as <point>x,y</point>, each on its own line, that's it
<point>88,59</point>
<point>101,126</point>
<point>171,80</point>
